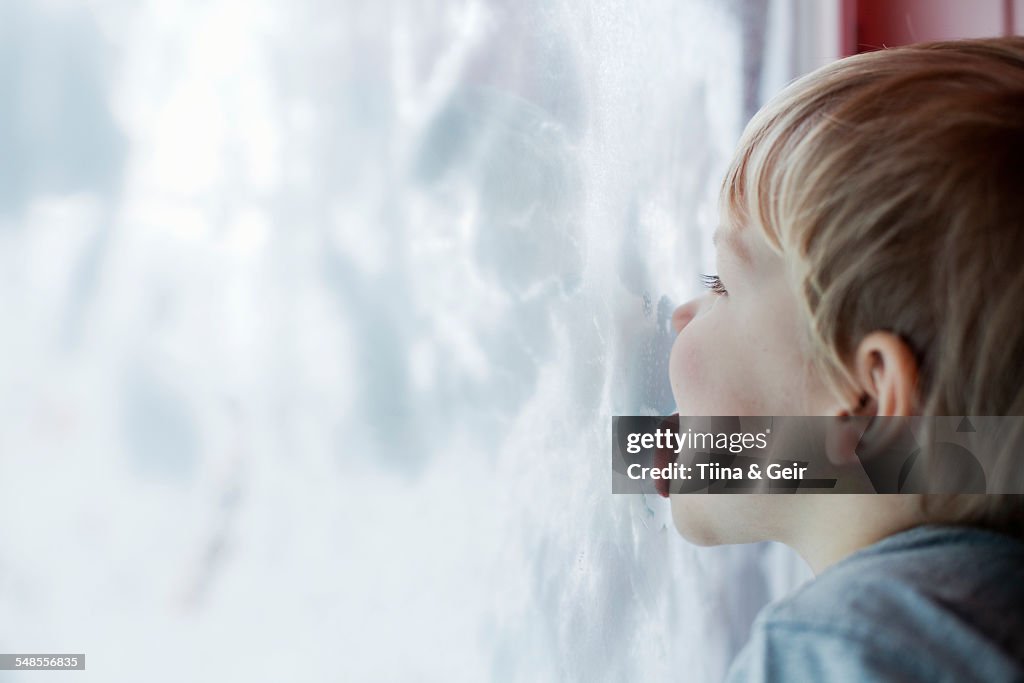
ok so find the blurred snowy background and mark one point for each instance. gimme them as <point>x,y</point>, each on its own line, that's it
<point>314,315</point>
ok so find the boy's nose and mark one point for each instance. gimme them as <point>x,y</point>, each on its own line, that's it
<point>682,316</point>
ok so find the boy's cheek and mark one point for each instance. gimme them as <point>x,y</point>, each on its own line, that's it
<point>687,370</point>
<point>706,379</point>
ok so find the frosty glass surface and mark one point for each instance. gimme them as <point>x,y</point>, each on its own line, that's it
<point>314,318</point>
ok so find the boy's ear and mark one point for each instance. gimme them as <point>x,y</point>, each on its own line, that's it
<point>886,369</point>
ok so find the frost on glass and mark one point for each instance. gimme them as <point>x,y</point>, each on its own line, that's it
<point>315,314</point>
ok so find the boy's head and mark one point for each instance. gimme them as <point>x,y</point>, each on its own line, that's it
<point>871,255</point>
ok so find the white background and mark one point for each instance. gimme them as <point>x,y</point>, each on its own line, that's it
<point>314,316</point>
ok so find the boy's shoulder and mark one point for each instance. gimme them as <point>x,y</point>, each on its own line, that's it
<point>950,570</point>
<point>930,603</point>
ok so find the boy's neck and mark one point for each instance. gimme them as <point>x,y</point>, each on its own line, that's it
<point>834,527</point>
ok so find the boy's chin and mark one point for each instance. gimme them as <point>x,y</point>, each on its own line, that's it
<point>721,519</point>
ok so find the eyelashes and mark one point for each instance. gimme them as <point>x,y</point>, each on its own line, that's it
<point>714,283</point>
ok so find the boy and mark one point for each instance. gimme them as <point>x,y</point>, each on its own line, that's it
<point>871,262</point>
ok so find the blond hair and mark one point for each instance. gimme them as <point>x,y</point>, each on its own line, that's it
<point>893,182</point>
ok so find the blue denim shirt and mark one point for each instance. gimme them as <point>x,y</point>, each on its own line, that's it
<point>935,603</point>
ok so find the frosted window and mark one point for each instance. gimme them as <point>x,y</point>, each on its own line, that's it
<point>315,313</point>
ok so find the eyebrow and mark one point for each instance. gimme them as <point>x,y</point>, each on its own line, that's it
<point>732,239</point>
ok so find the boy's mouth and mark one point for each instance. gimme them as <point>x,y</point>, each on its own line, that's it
<point>663,457</point>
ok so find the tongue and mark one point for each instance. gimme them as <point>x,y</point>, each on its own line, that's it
<point>663,457</point>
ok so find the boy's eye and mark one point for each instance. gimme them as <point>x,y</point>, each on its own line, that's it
<point>714,283</point>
